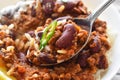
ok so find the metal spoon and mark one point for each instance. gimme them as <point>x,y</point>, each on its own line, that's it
<point>88,23</point>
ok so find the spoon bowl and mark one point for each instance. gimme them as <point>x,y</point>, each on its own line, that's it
<point>86,24</point>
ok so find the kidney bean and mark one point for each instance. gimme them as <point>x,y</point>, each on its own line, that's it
<point>102,64</point>
<point>12,35</point>
<point>95,46</point>
<point>48,6</point>
<point>45,58</point>
<point>31,33</point>
<point>2,46</point>
<point>40,34</point>
<point>69,5</point>
<point>67,36</point>
<point>82,59</point>
<point>22,56</point>
<point>33,11</point>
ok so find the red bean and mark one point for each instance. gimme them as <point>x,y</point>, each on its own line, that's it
<point>82,59</point>
<point>21,57</point>
<point>2,46</point>
<point>31,33</point>
<point>69,5</point>
<point>48,6</point>
<point>102,64</point>
<point>67,37</point>
<point>95,46</point>
<point>33,11</point>
<point>12,35</point>
<point>40,34</point>
<point>46,58</point>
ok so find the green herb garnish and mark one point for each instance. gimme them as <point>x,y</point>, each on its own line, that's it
<point>47,34</point>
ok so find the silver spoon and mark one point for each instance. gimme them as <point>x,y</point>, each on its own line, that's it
<point>87,23</point>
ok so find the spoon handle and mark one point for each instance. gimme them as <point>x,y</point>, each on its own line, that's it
<point>99,10</point>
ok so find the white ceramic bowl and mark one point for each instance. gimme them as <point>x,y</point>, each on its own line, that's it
<point>112,17</point>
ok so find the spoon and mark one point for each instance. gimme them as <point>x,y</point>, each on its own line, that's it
<point>87,23</point>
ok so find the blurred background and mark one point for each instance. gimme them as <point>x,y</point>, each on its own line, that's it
<point>4,3</point>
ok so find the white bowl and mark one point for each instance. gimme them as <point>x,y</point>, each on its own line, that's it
<point>112,17</point>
